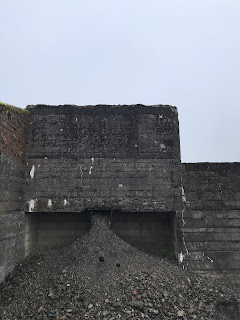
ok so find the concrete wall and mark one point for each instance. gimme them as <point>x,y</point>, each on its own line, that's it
<point>116,157</point>
<point>59,229</point>
<point>124,158</point>
<point>13,133</point>
<point>31,233</point>
<point>212,218</point>
<point>54,229</point>
<point>152,231</point>
<point>14,124</point>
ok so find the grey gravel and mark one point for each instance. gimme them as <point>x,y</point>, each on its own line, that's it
<point>73,283</point>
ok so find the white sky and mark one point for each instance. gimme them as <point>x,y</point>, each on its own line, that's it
<point>180,52</point>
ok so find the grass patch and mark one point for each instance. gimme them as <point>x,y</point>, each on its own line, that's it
<point>7,108</point>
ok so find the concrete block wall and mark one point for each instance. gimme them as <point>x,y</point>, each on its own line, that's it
<point>155,232</point>
<point>13,131</point>
<point>122,159</point>
<point>212,218</point>
<point>58,229</point>
<point>80,158</point>
<point>13,136</point>
<point>31,233</point>
<point>115,157</point>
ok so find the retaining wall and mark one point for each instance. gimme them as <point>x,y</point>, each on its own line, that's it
<point>13,135</point>
<point>122,159</point>
<point>212,218</point>
<point>111,157</point>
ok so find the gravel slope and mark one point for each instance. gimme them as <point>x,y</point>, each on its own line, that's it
<point>102,277</point>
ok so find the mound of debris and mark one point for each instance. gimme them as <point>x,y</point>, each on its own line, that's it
<point>102,277</point>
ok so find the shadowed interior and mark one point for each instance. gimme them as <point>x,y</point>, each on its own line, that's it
<point>152,231</point>
<point>147,231</point>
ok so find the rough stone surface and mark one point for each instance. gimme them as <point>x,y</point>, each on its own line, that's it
<point>125,159</point>
<point>115,157</point>
<point>13,131</point>
<point>212,218</point>
<point>13,135</point>
<point>73,283</point>
<point>151,231</point>
<point>120,158</point>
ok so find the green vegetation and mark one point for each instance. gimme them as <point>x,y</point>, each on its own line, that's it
<point>12,109</point>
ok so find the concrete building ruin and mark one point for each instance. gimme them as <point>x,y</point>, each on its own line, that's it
<point>60,164</point>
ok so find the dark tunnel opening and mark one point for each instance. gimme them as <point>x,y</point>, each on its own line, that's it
<point>149,231</point>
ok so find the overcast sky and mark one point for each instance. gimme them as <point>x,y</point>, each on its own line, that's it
<point>180,52</point>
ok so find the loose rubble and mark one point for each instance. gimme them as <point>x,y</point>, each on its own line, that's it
<point>102,277</point>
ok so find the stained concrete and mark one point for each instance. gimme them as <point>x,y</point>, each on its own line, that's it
<point>212,218</point>
<point>150,231</point>
<point>111,157</point>
<point>57,162</point>
<point>155,232</point>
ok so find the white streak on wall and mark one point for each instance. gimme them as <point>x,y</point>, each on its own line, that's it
<point>31,205</point>
<point>65,202</point>
<point>184,199</point>
<point>183,231</point>
<point>32,171</point>
<point>91,166</point>
<point>181,256</point>
<point>49,203</point>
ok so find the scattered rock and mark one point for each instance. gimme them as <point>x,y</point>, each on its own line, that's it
<point>70,283</point>
<point>180,313</point>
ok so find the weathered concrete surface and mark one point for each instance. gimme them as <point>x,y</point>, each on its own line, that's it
<point>31,233</point>
<point>212,218</point>
<point>109,157</point>
<point>115,157</point>
<point>13,131</point>
<point>55,229</point>
<point>13,134</point>
<point>150,231</point>
<point>59,229</point>
<point>124,158</point>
